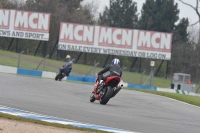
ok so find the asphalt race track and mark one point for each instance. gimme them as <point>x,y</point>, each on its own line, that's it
<point>129,110</point>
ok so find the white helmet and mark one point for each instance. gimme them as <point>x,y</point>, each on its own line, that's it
<point>115,61</point>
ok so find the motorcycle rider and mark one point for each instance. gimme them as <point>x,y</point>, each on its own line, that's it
<point>114,69</point>
<point>67,68</point>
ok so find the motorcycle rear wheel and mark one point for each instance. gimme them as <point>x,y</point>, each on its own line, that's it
<point>106,96</point>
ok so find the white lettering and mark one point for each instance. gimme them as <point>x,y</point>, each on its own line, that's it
<point>76,33</point>
<point>165,41</point>
<point>66,31</point>
<point>4,17</point>
<point>88,33</point>
<point>31,20</point>
<point>116,40</point>
<point>21,19</point>
<point>126,37</point>
<point>105,35</point>
<point>34,21</point>
<point>155,37</point>
<point>43,21</point>
<point>144,39</point>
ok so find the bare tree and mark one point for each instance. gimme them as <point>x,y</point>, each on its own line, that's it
<point>197,48</point>
<point>195,8</point>
<point>92,8</point>
<point>193,32</point>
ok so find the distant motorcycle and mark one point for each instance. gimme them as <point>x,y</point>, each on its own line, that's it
<point>62,73</point>
<point>109,90</point>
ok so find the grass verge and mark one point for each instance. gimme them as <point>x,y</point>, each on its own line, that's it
<point>194,100</point>
<point>11,117</point>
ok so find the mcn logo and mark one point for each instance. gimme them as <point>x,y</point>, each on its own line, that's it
<point>24,21</point>
<point>115,37</point>
<point>154,41</point>
<point>74,33</point>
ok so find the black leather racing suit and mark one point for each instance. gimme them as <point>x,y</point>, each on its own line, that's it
<point>114,69</point>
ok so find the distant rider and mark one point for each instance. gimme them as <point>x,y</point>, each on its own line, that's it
<point>67,68</point>
<point>114,69</point>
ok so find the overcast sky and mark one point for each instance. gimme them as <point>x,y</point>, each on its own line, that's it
<point>185,11</point>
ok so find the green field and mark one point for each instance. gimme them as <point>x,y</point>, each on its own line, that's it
<point>31,62</point>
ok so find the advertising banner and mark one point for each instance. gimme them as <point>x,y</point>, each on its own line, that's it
<point>115,41</point>
<point>24,24</point>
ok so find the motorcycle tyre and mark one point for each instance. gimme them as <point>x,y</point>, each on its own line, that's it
<point>57,76</point>
<point>92,97</point>
<point>107,96</point>
<point>61,76</point>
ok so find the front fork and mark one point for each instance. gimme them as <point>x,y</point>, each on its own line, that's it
<point>97,96</point>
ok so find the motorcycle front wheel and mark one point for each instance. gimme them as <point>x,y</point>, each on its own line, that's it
<point>61,76</point>
<point>57,76</point>
<point>92,97</point>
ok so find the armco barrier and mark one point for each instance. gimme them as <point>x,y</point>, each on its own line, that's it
<point>89,79</point>
<point>8,69</point>
<point>23,71</point>
<point>81,78</point>
<point>51,75</point>
<point>173,91</point>
<point>77,78</point>
<point>141,87</point>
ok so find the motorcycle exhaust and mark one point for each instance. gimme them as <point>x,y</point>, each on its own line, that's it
<point>117,90</point>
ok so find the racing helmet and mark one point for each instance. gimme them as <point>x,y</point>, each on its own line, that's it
<point>115,61</point>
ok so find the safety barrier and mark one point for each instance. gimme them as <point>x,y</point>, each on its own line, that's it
<point>141,87</point>
<point>28,72</point>
<point>177,91</point>
<point>81,78</point>
<point>45,74</point>
<point>8,69</point>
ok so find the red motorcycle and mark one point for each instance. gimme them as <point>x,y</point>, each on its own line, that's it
<point>108,90</point>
